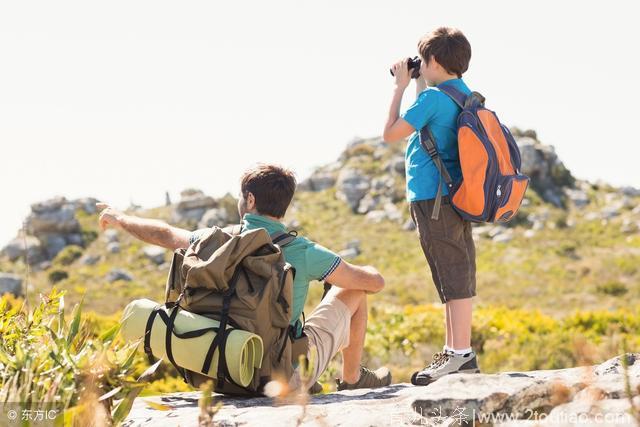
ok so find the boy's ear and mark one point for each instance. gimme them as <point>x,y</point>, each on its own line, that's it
<point>435,64</point>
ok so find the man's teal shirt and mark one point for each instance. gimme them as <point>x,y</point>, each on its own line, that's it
<point>440,113</point>
<point>311,261</point>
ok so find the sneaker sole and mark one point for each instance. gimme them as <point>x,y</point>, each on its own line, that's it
<point>427,381</point>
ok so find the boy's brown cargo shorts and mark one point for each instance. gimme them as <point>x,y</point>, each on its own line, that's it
<point>448,245</point>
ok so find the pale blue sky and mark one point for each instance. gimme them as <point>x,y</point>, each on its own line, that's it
<point>124,100</point>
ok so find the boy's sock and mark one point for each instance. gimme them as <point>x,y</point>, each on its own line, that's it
<point>447,349</point>
<point>462,350</point>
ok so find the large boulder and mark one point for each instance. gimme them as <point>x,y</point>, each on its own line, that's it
<point>540,162</point>
<point>154,254</point>
<point>87,204</point>
<point>352,186</point>
<point>15,249</point>
<point>118,274</point>
<point>53,243</point>
<point>10,283</point>
<point>192,206</point>
<point>52,216</point>
<point>214,217</point>
<point>318,181</point>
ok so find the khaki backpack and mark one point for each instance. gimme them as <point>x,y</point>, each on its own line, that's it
<point>243,281</point>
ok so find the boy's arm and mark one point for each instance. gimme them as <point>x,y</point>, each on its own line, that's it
<point>421,85</point>
<point>152,231</point>
<point>396,127</point>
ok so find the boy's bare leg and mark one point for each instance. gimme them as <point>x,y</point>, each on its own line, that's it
<point>449,331</point>
<point>460,313</point>
<point>356,301</point>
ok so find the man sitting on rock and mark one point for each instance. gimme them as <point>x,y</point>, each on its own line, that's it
<point>338,323</point>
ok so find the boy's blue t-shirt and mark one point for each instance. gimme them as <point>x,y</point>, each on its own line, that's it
<point>436,109</point>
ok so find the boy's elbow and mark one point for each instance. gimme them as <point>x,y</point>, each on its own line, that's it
<point>387,137</point>
<point>379,282</point>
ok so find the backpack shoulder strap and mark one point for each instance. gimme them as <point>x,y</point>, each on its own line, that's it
<point>428,143</point>
<point>283,238</point>
<point>234,230</point>
<point>458,97</point>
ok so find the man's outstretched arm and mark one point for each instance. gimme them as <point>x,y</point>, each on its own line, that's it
<point>148,230</point>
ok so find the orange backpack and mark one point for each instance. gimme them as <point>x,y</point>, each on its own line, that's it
<point>492,187</point>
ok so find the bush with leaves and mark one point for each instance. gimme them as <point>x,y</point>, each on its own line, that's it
<point>49,363</point>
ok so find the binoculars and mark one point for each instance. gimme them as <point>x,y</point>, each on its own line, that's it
<point>414,67</point>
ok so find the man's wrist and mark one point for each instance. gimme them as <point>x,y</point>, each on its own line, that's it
<point>122,220</point>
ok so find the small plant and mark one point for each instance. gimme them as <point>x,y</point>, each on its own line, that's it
<point>208,409</point>
<point>612,288</point>
<point>67,255</point>
<point>56,276</point>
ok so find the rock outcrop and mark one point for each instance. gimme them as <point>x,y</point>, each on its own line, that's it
<point>549,176</point>
<point>10,283</point>
<point>364,188</point>
<point>198,210</point>
<point>51,226</point>
<point>590,395</point>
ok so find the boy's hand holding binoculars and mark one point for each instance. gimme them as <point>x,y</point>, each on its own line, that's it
<point>400,71</point>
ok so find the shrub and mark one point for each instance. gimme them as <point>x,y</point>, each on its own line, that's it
<point>612,288</point>
<point>57,275</point>
<point>67,255</point>
<point>46,361</point>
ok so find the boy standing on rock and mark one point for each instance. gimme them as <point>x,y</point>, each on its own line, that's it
<point>446,241</point>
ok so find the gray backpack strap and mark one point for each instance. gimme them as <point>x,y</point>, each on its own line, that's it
<point>428,142</point>
<point>458,97</point>
<point>283,238</point>
<point>463,101</point>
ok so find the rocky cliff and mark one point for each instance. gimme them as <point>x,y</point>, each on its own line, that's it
<point>585,396</point>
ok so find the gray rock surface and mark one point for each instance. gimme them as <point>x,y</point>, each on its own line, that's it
<point>541,163</point>
<point>50,226</point>
<point>15,249</point>
<point>113,247</point>
<point>10,283</point>
<point>514,397</point>
<point>215,216</point>
<point>118,274</point>
<point>90,259</point>
<point>192,206</point>
<point>318,181</point>
<point>154,254</point>
<point>352,187</point>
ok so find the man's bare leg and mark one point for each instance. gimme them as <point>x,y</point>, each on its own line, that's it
<point>356,301</point>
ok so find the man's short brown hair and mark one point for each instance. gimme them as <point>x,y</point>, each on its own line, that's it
<point>272,186</point>
<point>449,47</point>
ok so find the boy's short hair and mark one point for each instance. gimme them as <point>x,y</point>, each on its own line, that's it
<point>272,186</point>
<point>449,47</point>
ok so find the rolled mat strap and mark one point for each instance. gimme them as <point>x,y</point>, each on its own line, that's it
<point>190,339</point>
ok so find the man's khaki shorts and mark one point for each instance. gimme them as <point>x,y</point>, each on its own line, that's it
<point>448,245</point>
<point>328,329</point>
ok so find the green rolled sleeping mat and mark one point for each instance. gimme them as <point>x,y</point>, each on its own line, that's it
<point>243,352</point>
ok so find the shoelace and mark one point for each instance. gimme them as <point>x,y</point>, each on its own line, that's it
<point>438,359</point>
